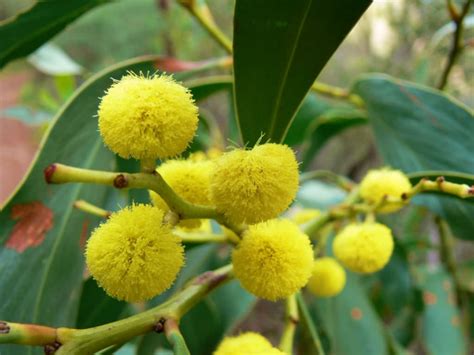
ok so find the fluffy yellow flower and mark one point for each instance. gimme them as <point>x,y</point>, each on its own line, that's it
<point>251,186</point>
<point>132,256</point>
<point>274,259</point>
<point>248,343</point>
<point>328,278</point>
<point>189,179</point>
<point>306,215</point>
<point>384,182</point>
<point>147,118</point>
<point>364,247</point>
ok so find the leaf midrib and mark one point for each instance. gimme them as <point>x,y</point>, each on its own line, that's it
<point>287,70</point>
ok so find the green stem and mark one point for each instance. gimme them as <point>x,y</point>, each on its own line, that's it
<point>91,340</point>
<point>202,13</point>
<point>175,338</point>
<point>456,45</point>
<point>337,93</point>
<point>91,209</point>
<point>147,165</point>
<point>60,174</point>
<point>200,237</point>
<point>32,334</point>
<point>291,321</point>
<point>441,185</point>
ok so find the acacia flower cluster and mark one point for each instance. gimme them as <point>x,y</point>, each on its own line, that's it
<point>246,343</point>
<point>137,253</point>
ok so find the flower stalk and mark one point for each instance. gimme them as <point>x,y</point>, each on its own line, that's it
<point>291,322</point>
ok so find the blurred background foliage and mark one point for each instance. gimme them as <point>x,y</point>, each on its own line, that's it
<point>406,39</point>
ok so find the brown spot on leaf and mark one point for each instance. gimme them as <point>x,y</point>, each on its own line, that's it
<point>34,220</point>
<point>356,313</point>
<point>429,298</point>
<point>455,321</point>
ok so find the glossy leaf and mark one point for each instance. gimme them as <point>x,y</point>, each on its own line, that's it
<point>311,108</point>
<point>350,321</point>
<point>204,87</point>
<point>417,129</point>
<point>325,127</point>
<point>27,31</point>
<point>41,275</point>
<point>440,309</point>
<point>96,307</point>
<point>279,50</point>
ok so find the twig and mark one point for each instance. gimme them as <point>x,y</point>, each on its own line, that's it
<point>175,338</point>
<point>201,12</point>
<point>89,341</point>
<point>456,44</point>
<point>91,209</point>
<point>291,321</point>
<point>337,93</point>
<point>60,174</point>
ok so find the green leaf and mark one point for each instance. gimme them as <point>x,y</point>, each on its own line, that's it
<point>28,30</point>
<point>96,307</point>
<point>39,276</point>
<point>350,321</point>
<point>440,309</point>
<point>311,108</point>
<point>204,87</point>
<point>326,126</point>
<point>279,50</point>
<point>308,328</point>
<point>417,129</point>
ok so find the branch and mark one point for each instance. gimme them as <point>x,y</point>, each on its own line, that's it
<point>61,174</point>
<point>89,341</point>
<point>175,338</point>
<point>456,44</point>
<point>91,209</point>
<point>337,93</point>
<point>291,321</point>
<point>440,185</point>
<point>201,12</point>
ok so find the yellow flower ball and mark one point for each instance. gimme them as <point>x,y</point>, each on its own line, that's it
<point>274,259</point>
<point>384,182</point>
<point>132,256</point>
<point>328,278</point>
<point>250,186</point>
<point>364,247</point>
<point>306,215</point>
<point>246,344</point>
<point>147,117</point>
<point>190,180</point>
